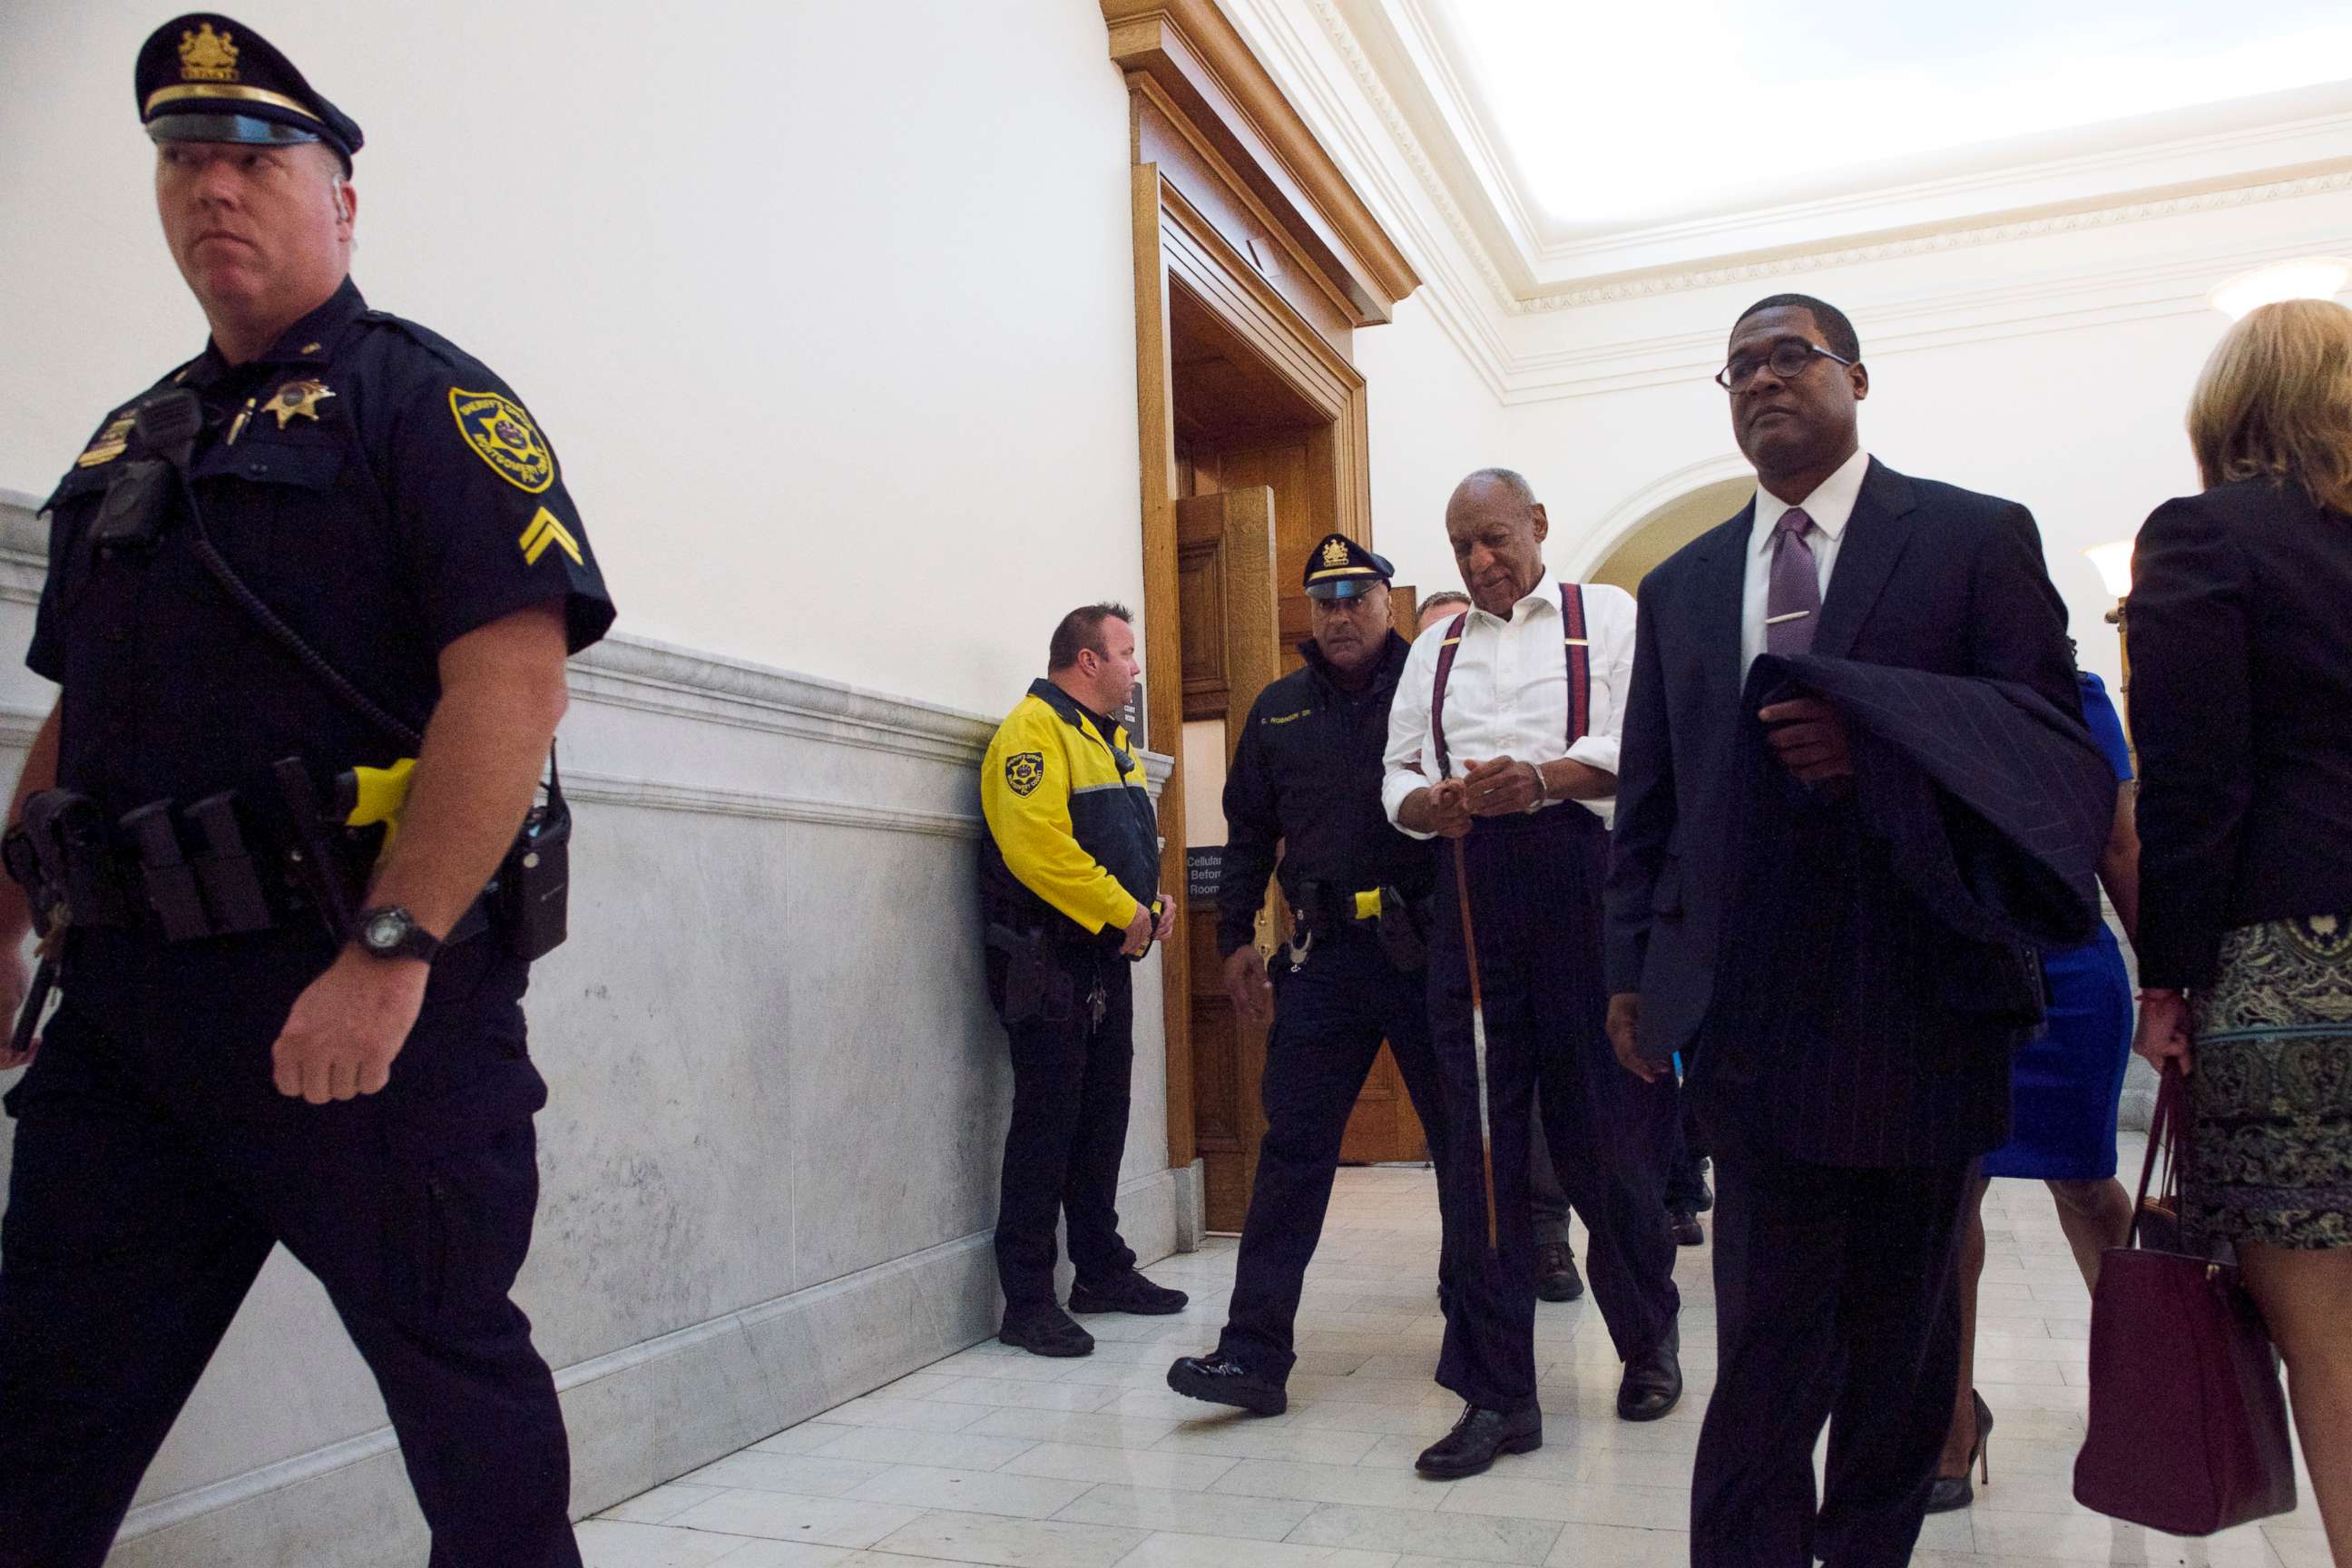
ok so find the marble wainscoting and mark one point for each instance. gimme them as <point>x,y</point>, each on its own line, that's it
<point>778,1100</point>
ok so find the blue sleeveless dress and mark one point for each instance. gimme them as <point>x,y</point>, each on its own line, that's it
<point>2064,1085</point>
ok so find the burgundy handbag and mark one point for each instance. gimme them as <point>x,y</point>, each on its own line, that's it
<point>2188,1424</point>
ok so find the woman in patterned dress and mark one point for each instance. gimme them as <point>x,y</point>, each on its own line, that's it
<point>2241,628</point>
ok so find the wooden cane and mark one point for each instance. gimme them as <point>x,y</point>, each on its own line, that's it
<point>1477,1037</point>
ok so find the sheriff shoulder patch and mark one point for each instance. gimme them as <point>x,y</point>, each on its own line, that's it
<point>502,436</point>
<point>1025,771</point>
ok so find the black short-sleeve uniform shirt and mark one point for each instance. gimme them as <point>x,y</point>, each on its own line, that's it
<point>378,488</point>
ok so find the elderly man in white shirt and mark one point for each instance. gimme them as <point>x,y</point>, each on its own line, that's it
<point>1513,765</point>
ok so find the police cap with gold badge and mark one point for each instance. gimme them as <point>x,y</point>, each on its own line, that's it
<point>1339,568</point>
<point>205,78</point>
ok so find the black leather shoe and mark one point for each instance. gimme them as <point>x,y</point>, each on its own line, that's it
<point>1556,1276</point>
<point>1652,1384</point>
<point>1046,1331</point>
<point>1128,1292</point>
<point>1683,1227</point>
<point>1220,1380</point>
<point>1479,1438</point>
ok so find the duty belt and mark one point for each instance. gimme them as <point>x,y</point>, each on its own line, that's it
<point>225,864</point>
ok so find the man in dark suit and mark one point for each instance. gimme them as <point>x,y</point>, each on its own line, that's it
<point>1842,1061</point>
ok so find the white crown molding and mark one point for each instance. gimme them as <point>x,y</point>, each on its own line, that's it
<point>1508,302</point>
<point>2174,286</point>
<point>1472,311</point>
<point>1944,239</point>
<point>1966,199</point>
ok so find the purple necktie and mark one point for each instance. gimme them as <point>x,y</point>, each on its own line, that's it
<point>1793,602</point>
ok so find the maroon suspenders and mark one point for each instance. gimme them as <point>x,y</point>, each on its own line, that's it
<point>1579,662</point>
<point>1580,673</point>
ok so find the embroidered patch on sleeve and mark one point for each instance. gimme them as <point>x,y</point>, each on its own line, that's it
<point>1025,771</point>
<point>502,436</point>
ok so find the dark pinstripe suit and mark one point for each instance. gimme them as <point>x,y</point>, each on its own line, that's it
<point>1838,1057</point>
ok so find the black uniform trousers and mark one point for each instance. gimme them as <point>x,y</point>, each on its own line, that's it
<point>1330,1014</point>
<point>155,1166</point>
<point>1535,896</point>
<point>1072,1065</point>
<point>1836,1300</point>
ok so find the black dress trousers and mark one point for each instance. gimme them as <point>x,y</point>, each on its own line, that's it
<point>1836,1301</point>
<point>1330,1015</point>
<point>155,1167</point>
<point>1535,896</point>
<point>1071,1073</point>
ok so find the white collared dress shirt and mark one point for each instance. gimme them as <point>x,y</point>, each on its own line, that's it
<point>1831,506</point>
<point>1508,693</point>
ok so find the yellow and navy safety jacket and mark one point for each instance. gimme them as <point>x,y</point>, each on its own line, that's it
<point>1072,846</point>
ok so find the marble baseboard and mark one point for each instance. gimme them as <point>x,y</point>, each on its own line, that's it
<point>645,1414</point>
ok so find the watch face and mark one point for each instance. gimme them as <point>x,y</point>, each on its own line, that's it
<point>386,929</point>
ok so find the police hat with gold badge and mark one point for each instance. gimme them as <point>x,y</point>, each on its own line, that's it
<point>205,77</point>
<point>1339,568</point>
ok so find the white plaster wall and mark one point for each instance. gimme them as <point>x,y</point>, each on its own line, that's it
<point>826,306</point>
<point>1433,421</point>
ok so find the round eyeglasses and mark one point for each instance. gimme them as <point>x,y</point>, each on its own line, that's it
<point>1787,359</point>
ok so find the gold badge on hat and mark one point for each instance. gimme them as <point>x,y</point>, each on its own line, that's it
<point>298,399</point>
<point>1335,553</point>
<point>207,55</point>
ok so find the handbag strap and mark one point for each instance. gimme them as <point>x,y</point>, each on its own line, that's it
<point>2168,1133</point>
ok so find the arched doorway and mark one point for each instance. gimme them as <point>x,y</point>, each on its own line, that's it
<point>1663,516</point>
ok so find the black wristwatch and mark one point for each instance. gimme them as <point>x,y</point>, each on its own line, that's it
<point>390,931</point>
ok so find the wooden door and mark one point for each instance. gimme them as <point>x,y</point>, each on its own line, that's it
<point>1226,603</point>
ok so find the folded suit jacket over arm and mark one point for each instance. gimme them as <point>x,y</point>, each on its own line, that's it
<point>1995,806</point>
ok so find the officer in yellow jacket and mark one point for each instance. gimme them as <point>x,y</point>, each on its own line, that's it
<point>1069,879</point>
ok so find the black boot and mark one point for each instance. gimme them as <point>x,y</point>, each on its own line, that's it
<point>1220,1380</point>
<point>1128,1292</point>
<point>1683,1227</point>
<point>1045,1331</point>
<point>1480,1437</point>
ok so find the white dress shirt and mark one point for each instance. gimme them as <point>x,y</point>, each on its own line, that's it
<point>1831,506</point>
<point>1508,693</point>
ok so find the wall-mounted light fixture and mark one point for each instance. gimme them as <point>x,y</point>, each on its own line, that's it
<point>2114,561</point>
<point>2306,278</point>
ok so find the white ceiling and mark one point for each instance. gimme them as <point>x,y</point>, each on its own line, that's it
<point>1587,143</point>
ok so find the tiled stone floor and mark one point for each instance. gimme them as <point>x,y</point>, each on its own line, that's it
<point>996,1457</point>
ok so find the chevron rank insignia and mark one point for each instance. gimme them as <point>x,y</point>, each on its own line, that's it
<point>544,530</point>
<point>1025,771</point>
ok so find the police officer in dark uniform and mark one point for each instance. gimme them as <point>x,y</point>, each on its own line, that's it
<point>1306,782</point>
<point>330,557</point>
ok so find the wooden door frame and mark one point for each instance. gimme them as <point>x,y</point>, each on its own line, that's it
<point>1236,202</point>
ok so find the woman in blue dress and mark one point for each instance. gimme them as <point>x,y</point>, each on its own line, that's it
<point>2063,1091</point>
